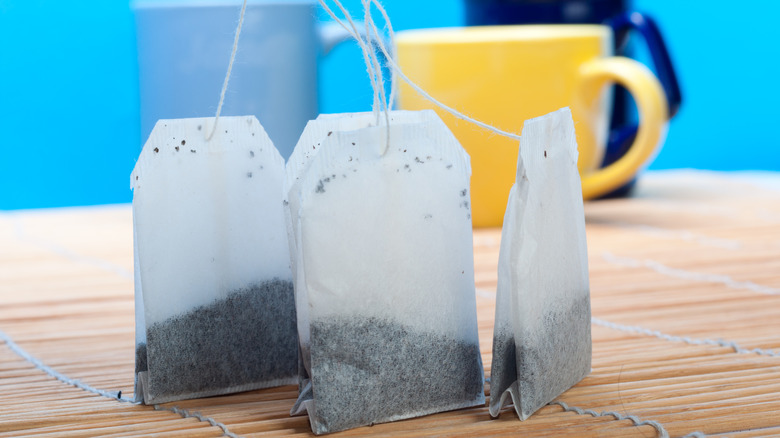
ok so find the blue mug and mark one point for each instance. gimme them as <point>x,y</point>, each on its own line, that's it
<point>614,13</point>
<point>183,52</point>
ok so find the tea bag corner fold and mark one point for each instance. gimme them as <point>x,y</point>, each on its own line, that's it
<point>215,309</point>
<point>542,335</point>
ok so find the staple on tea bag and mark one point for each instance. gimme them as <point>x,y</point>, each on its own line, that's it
<point>214,297</point>
<point>384,257</point>
<point>541,340</point>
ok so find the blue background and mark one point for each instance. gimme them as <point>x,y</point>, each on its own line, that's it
<point>69,124</point>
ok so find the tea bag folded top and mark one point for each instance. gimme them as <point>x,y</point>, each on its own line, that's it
<point>384,269</point>
<point>542,340</point>
<point>215,306</point>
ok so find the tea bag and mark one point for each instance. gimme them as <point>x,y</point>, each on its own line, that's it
<point>383,261</point>
<point>215,308</point>
<point>541,342</point>
<point>309,144</point>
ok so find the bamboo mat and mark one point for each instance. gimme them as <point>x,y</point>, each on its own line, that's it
<point>685,284</point>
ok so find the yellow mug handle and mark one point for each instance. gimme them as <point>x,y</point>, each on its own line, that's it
<point>653,115</point>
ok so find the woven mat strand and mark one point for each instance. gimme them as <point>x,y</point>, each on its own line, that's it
<point>685,284</point>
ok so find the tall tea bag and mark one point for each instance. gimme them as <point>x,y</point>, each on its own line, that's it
<point>215,309</point>
<point>541,342</point>
<point>384,269</point>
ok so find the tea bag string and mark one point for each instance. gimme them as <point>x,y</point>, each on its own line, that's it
<point>380,102</point>
<point>373,68</point>
<point>391,33</point>
<point>398,72</point>
<point>372,33</point>
<point>229,71</point>
<point>352,30</point>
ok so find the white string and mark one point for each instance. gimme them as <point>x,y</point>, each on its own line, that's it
<point>374,64</point>
<point>689,275</point>
<point>399,73</point>
<point>197,415</point>
<point>22,235</point>
<point>691,341</point>
<point>372,33</point>
<point>395,67</point>
<point>229,70</point>
<point>391,33</point>
<point>369,57</point>
<point>59,376</point>
<point>617,415</point>
<point>683,235</point>
<point>14,347</point>
<point>226,432</point>
<point>38,364</point>
<point>352,30</point>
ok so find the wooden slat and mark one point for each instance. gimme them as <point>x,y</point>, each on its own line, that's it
<point>66,297</point>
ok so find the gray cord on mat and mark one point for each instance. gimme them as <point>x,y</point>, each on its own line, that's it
<point>108,394</point>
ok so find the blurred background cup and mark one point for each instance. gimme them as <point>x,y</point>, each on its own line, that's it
<point>503,75</point>
<point>617,14</point>
<point>496,12</point>
<point>184,49</point>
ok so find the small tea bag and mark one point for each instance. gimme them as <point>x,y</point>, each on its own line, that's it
<point>541,342</point>
<point>383,255</point>
<point>215,310</point>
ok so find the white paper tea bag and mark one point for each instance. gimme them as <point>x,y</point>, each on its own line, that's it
<point>541,342</point>
<point>309,144</point>
<point>383,256</point>
<point>215,306</point>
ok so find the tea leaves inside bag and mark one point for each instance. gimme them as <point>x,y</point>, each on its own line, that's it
<point>385,253</point>
<point>542,338</point>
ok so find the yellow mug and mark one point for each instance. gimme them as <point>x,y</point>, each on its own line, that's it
<point>503,75</point>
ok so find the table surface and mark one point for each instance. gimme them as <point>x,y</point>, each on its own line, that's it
<point>685,289</point>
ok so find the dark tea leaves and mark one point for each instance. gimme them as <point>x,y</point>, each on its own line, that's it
<point>247,339</point>
<point>370,370</point>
